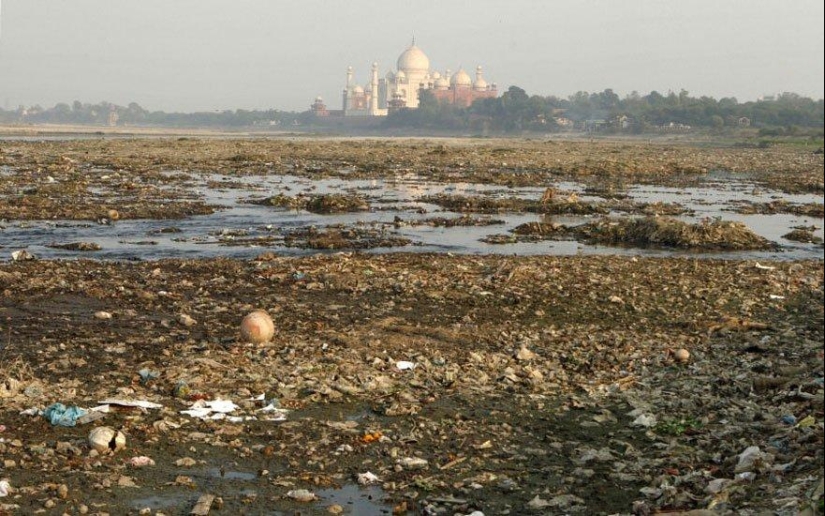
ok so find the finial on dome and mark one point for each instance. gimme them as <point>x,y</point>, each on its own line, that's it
<point>413,40</point>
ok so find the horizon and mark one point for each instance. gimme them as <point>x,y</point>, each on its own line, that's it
<point>197,56</point>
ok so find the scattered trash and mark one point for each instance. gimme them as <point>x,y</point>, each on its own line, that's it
<point>403,365</point>
<point>807,421</point>
<point>302,495</point>
<point>366,479</point>
<point>102,315</point>
<point>681,355</point>
<point>116,402</point>
<point>187,320</point>
<point>753,460</point>
<point>214,409</point>
<point>413,463</point>
<point>645,420</point>
<point>61,415</point>
<point>257,327</point>
<point>22,256</point>
<point>203,505</point>
<point>141,462</point>
<point>5,488</point>
<point>788,419</point>
<point>525,354</point>
<point>146,375</point>
<point>104,439</point>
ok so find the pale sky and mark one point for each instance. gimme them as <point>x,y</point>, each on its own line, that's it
<point>187,55</point>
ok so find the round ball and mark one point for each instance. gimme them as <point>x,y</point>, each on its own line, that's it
<point>113,214</point>
<point>681,355</point>
<point>257,327</point>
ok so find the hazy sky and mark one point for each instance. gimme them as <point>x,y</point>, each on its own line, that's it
<point>256,54</point>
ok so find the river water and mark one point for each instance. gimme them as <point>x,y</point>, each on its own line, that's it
<point>216,234</point>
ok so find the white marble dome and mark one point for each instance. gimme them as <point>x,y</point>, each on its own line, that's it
<point>413,60</point>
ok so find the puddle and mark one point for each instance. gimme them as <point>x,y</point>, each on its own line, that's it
<point>243,230</point>
<point>363,501</point>
<point>231,475</point>
<point>165,501</point>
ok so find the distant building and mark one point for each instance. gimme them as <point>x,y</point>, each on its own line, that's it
<point>400,88</point>
<point>319,108</point>
<point>113,116</point>
<point>563,121</point>
<point>743,121</point>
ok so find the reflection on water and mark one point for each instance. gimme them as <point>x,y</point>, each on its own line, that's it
<point>203,236</point>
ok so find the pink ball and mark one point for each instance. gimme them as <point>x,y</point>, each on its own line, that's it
<point>257,327</point>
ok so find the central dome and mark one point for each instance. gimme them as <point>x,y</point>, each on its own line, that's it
<point>413,60</point>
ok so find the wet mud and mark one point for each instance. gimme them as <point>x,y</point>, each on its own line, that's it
<point>430,373</point>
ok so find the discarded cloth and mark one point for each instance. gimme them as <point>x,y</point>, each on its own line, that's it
<point>59,414</point>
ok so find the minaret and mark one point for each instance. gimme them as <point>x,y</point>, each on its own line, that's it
<point>374,88</point>
<point>478,73</point>
<point>347,90</point>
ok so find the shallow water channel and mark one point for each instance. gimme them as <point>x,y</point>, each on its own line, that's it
<point>241,229</point>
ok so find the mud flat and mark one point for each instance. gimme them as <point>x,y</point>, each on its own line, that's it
<point>483,381</point>
<point>401,382</point>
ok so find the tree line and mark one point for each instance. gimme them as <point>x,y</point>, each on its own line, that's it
<point>106,113</point>
<point>516,111</point>
<point>512,112</point>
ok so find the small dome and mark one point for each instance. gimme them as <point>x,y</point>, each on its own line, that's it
<point>461,79</point>
<point>480,84</point>
<point>435,76</point>
<point>319,99</point>
<point>442,83</point>
<point>358,90</point>
<point>390,76</point>
<point>413,60</point>
<point>401,75</point>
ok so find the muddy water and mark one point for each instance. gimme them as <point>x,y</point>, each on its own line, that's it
<point>242,229</point>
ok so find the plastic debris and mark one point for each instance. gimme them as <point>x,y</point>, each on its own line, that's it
<point>403,365</point>
<point>214,409</point>
<point>753,460</point>
<point>141,462</point>
<point>61,415</point>
<point>368,478</point>
<point>302,495</point>
<point>788,419</point>
<point>146,375</point>
<point>117,402</point>
<point>413,463</point>
<point>645,420</point>
<point>5,488</point>
<point>22,256</point>
<point>807,421</point>
<point>203,505</point>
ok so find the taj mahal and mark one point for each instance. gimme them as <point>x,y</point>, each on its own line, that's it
<point>400,88</point>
